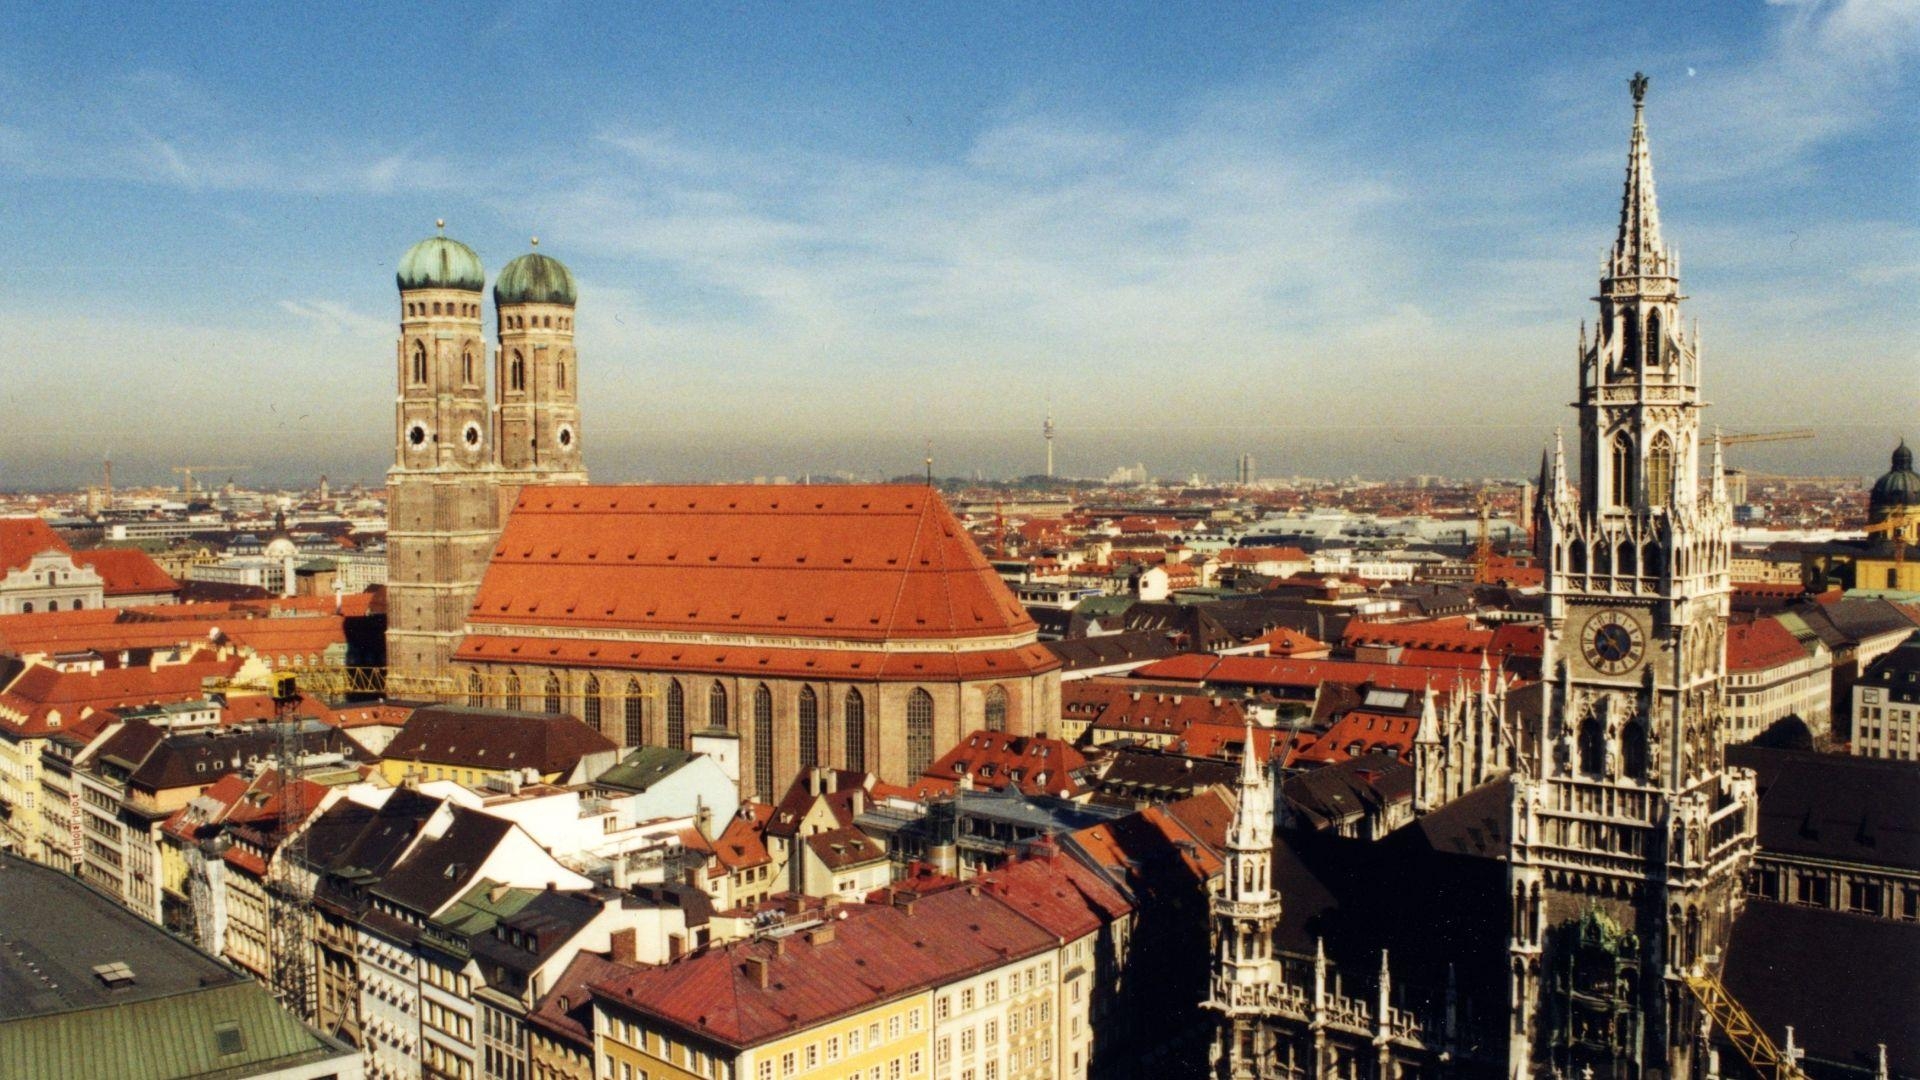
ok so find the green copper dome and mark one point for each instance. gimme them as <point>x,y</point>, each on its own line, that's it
<point>440,263</point>
<point>1900,487</point>
<point>534,278</point>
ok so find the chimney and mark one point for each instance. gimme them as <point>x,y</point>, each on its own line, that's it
<point>859,802</point>
<point>623,946</point>
<point>757,971</point>
<point>820,935</point>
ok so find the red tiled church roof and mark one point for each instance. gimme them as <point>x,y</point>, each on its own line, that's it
<point>869,562</point>
<point>127,571</point>
<point>24,537</point>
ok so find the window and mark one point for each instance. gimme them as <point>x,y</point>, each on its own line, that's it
<point>942,1050</point>
<point>786,1063</point>
<point>517,372</point>
<point>560,376</point>
<point>809,728</point>
<point>1593,748</point>
<point>590,703</point>
<point>992,991</point>
<point>766,1070</point>
<point>966,1000</point>
<point>1654,343</point>
<point>552,702</point>
<point>636,729</point>
<point>676,715</point>
<point>996,709</point>
<point>717,706</point>
<point>853,1041</point>
<point>512,698</point>
<point>913,1062</point>
<point>466,366</point>
<point>1622,469</point>
<point>813,1054</point>
<point>893,1027</point>
<point>763,741</point>
<point>419,362</point>
<point>1633,750</point>
<point>942,1007</point>
<point>919,731</point>
<point>833,1048</point>
<point>1660,471</point>
<point>991,1036</point>
<point>856,731</point>
<point>966,1041</point>
<point>476,694</point>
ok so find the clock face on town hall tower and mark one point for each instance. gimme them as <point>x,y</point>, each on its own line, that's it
<point>1613,642</point>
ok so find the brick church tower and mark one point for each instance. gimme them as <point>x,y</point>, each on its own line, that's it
<point>1630,834</point>
<point>454,475</point>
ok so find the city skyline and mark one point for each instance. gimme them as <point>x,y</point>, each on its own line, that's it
<point>1199,234</point>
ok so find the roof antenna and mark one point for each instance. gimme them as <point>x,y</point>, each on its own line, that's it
<point>929,462</point>
<point>536,241</point>
<point>440,223</point>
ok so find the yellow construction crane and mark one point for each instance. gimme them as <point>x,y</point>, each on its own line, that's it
<point>1747,1037</point>
<point>508,689</point>
<point>1483,544</point>
<point>186,473</point>
<point>1897,525</point>
<point>1765,436</point>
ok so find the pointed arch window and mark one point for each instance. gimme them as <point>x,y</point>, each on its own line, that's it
<point>552,695</point>
<point>1622,470</point>
<point>466,367</point>
<point>809,728</point>
<point>996,708</point>
<point>419,363</point>
<point>717,706</point>
<point>855,735</point>
<point>1593,747</point>
<point>1633,750</point>
<point>590,704</point>
<point>763,741</point>
<point>919,731</point>
<point>517,372</point>
<point>476,694</point>
<point>676,715</point>
<point>635,716</point>
<point>560,374</point>
<point>1653,339</point>
<point>1630,343</point>
<point>1660,471</point>
<point>512,688</point>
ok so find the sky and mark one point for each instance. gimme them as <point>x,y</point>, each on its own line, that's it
<point>813,239</point>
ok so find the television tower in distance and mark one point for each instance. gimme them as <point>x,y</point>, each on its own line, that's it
<point>1047,430</point>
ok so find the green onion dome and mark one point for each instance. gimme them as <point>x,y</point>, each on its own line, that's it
<point>1900,487</point>
<point>534,278</point>
<point>440,263</point>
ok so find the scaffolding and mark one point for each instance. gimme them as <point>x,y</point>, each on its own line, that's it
<point>339,682</point>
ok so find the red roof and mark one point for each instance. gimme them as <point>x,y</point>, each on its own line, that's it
<point>127,571</point>
<point>1761,644</point>
<point>1285,641</point>
<point>39,691</point>
<point>744,841</point>
<point>1250,555</point>
<point>872,953</point>
<point>720,658</point>
<point>24,537</point>
<point>995,760</point>
<point>1361,732</point>
<point>1446,635</point>
<point>1117,705</point>
<point>1295,674</point>
<point>872,562</point>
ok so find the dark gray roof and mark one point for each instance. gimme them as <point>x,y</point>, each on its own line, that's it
<point>1836,806</point>
<point>496,739</point>
<point>1845,982</point>
<point>1898,672</point>
<point>1474,824</point>
<point>1361,785</point>
<point>59,1018</point>
<point>441,869</point>
<point>1136,646</point>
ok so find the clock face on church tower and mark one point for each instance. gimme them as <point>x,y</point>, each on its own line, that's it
<point>1612,642</point>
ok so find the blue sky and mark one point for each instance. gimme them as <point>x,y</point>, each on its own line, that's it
<point>810,237</point>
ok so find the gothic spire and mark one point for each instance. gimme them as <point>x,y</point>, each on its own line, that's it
<point>1638,250</point>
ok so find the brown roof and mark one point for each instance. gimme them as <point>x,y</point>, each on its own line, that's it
<point>872,562</point>
<point>873,953</point>
<point>39,691</point>
<point>127,571</point>
<point>495,739</point>
<point>844,847</point>
<point>1034,764</point>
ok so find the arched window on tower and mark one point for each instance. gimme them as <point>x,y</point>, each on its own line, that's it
<point>919,732</point>
<point>676,715</point>
<point>1660,471</point>
<point>560,375</point>
<point>511,698</point>
<point>996,708</point>
<point>1622,470</point>
<point>763,741</point>
<point>590,702</point>
<point>809,728</point>
<point>855,735</point>
<point>1630,341</point>
<point>636,731</point>
<point>1593,747</point>
<point>466,367</point>
<point>1633,750</point>
<point>1653,339</point>
<point>517,372</point>
<point>717,706</point>
<point>419,363</point>
<point>552,702</point>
